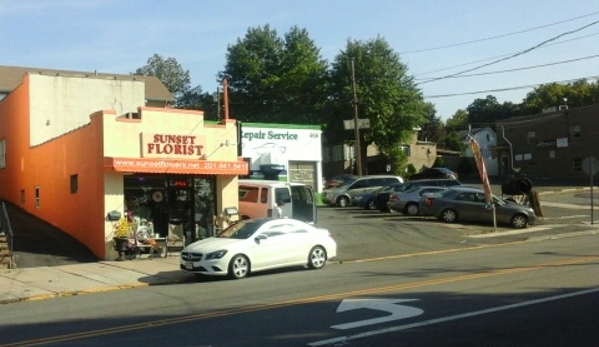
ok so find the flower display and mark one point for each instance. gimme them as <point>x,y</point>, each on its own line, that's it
<point>123,228</point>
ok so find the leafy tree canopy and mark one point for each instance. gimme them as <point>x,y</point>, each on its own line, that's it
<point>576,94</point>
<point>169,72</point>
<point>387,96</point>
<point>432,130</point>
<point>459,121</point>
<point>274,79</point>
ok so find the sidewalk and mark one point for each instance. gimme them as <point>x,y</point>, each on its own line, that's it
<point>38,283</point>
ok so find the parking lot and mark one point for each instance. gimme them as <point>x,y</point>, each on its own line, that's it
<point>364,234</point>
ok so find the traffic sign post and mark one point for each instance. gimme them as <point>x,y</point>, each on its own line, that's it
<point>590,166</point>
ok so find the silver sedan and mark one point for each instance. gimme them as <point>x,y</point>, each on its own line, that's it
<point>408,202</point>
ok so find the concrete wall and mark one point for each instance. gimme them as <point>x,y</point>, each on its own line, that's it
<point>60,104</point>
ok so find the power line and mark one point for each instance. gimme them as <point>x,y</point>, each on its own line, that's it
<point>498,36</point>
<point>505,89</point>
<point>515,54</point>
<point>524,68</point>
<point>503,55</point>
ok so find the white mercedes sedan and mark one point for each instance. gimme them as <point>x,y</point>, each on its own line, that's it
<point>257,245</point>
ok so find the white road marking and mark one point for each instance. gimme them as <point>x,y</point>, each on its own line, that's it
<point>387,305</point>
<point>448,318</point>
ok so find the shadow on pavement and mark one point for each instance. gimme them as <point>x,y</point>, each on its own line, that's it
<point>38,243</point>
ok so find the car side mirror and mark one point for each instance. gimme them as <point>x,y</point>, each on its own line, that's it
<point>260,237</point>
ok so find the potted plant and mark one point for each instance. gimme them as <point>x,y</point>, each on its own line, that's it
<point>121,234</point>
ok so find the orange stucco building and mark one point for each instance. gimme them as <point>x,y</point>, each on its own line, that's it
<point>77,149</point>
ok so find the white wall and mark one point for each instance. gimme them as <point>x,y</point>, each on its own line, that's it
<point>283,144</point>
<point>486,143</point>
<point>293,144</point>
<point>60,104</point>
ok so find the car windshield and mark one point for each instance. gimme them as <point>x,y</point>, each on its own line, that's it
<point>441,193</point>
<point>240,230</point>
<point>411,190</point>
<point>346,182</point>
<point>378,190</point>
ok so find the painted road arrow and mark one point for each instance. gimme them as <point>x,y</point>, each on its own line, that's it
<point>388,305</point>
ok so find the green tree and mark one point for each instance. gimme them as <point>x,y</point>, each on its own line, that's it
<point>169,72</point>
<point>196,99</point>
<point>387,96</point>
<point>452,142</point>
<point>484,112</point>
<point>432,129</point>
<point>576,94</point>
<point>459,121</point>
<point>277,80</point>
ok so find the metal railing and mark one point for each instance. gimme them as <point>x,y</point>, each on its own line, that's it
<point>6,228</point>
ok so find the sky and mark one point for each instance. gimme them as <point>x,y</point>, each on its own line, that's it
<point>456,50</point>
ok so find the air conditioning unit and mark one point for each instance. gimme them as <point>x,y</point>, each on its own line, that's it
<point>132,115</point>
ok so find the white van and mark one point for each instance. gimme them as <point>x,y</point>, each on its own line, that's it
<point>257,198</point>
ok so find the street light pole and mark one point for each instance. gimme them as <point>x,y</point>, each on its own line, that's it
<point>358,150</point>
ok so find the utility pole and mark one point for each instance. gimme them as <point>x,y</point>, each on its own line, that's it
<point>358,150</point>
<point>216,98</point>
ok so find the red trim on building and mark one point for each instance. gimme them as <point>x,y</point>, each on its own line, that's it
<point>176,166</point>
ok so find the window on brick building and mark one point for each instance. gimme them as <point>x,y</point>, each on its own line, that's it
<point>406,150</point>
<point>575,132</point>
<point>531,137</point>
<point>37,197</point>
<point>2,153</point>
<point>577,164</point>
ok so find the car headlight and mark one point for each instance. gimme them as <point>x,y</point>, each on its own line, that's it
<point>216,255</point>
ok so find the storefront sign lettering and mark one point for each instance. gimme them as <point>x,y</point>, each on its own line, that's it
<point>546,144</point>
<point>176,166</point>
<point>270,135</point>
<point>161,145</point>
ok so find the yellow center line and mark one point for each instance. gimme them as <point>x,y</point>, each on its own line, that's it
<point>328,297</point>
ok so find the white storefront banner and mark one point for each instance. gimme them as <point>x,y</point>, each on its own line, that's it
<point>278,145</point>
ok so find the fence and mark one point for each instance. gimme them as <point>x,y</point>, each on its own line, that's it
<point>6,229</point>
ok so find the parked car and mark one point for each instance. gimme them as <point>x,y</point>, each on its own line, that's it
<point>258,198</point>
<point>338,180</point>
<point>434,172</point>
<point>383,197</point>
<point>342,195</point>
<point>467,204</point>
<point>408,202</point>
<point>365,200</point>
<point>256,245</point>
<point>374,199</point>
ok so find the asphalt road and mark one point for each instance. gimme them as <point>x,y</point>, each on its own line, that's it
<point>519,294</point>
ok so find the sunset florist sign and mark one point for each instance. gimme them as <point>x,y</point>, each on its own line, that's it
<point>172,146</point>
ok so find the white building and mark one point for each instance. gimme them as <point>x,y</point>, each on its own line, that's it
<point>487,139</point>
<point>286,152</point>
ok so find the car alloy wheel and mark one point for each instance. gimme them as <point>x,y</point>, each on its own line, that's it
<point>343,201</point>
<point>449,216</point>
<point>239,267</point>
<point>371,205</point>
<point>519,221</point>
<point>411,209</point>
<point>317,257</point>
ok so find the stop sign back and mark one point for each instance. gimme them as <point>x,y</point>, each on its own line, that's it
<point>590,165</point>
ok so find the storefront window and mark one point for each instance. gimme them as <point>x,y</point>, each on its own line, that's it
<point>204,207</point>
<point>167,200</point>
